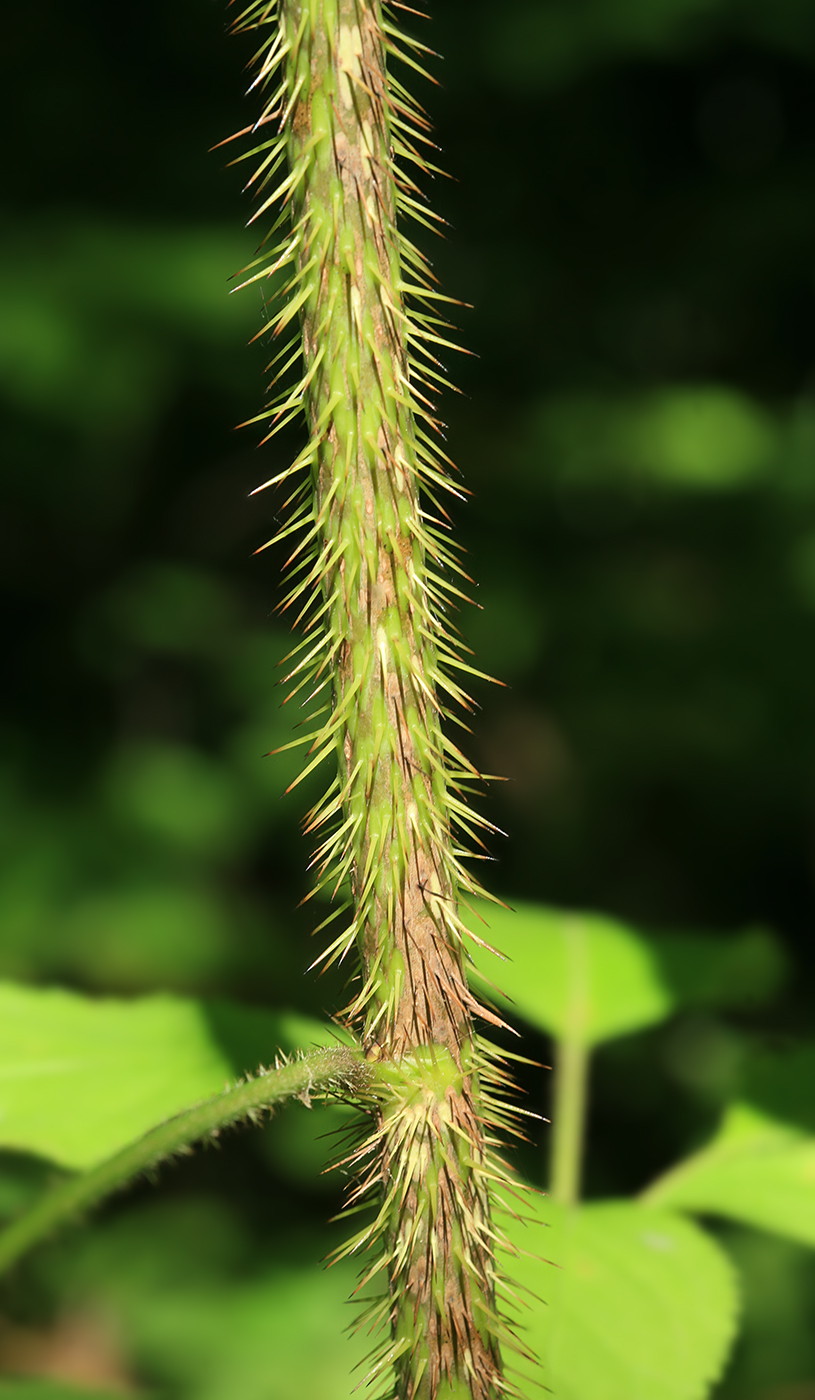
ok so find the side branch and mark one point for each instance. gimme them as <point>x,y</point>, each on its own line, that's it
<point>337,1069</point>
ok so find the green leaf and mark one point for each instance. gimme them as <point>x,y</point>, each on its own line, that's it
<point>579,976</point>
<point>756,1169</point>
<point>81,1078</point>
<point>589,978</point>
<point>641,1304</point>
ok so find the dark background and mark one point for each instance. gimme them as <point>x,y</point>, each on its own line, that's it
<point>632,217</point>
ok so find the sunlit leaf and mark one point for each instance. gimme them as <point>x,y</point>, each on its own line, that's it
<point>80,1078</point>
<point>579,975</point>
<point>757,1169</point>
<point>625,1302</point>
<point>591,977</point>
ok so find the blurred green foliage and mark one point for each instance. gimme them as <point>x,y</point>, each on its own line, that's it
<point>635,224</point>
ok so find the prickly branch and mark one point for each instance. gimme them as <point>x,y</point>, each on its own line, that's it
<point>373,576</point>
<point>336,1070</point>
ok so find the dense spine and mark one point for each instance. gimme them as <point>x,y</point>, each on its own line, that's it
<point>372,578</point>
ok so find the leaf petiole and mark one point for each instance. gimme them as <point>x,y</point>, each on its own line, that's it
<point>335,1069</point>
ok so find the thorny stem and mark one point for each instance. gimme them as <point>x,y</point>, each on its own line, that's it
<point>368,496</point>
<point>415,1000</point>
<point>337,1068</point>
<point>374,579</point>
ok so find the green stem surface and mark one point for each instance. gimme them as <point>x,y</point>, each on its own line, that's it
<point>569,1119</point>
<point>337,1068</point>
<point>374,577</point>
<point>395,807</point>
